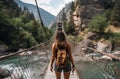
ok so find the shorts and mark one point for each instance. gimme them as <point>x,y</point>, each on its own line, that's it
<point>66,69</point>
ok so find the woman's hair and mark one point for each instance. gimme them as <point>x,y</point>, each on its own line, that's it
<point>61,40</point>
<point>60,36</point>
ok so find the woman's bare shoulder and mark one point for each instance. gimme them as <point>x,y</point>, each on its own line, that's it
<point>54,45</point>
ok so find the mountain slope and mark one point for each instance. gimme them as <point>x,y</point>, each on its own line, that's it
<point>58,18</point>
<point>18,28</point>
<point>46,16</point>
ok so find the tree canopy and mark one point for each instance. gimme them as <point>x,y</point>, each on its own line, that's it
<point>18,28</point>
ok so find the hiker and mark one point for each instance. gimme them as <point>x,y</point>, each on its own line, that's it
<point>61,54</point>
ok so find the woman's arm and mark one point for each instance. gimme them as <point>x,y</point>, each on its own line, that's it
<point>53,55</point>
<point>70,55</point>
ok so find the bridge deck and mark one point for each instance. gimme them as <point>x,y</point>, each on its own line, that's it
<point>51,75</point>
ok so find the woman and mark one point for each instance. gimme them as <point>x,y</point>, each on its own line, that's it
<point>61,42</point>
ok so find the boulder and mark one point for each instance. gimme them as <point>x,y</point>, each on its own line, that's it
<point>117,53</point>
<point>4,73</point>
<point>86,42</point>
<point>104,57</point>
<point>90,35</point>
<point>104,46</point>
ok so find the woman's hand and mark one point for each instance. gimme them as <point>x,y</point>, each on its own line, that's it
<point>51,68</point>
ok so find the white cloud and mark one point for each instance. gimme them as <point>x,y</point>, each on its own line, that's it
<point>53,10</point>
<point>29,1</point>
<point>45,4</point>
<point>67,1</point>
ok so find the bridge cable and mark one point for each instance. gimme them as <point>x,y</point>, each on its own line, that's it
<point>40,17</point>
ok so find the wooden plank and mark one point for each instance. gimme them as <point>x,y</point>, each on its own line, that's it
<point>51,75</point>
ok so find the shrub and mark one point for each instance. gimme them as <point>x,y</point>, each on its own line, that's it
<point>98,23</point>
<point>76,38</point>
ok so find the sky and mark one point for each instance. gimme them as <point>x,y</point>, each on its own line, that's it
<point>52,6</point>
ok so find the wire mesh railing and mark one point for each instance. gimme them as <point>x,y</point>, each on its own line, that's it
<point>93,67</point>
<point>27,64</point>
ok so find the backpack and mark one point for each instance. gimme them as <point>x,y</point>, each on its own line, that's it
<point>61,59</point>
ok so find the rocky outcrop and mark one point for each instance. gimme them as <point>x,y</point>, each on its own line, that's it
<point>87,9</point>
<point>4,73</point>
<point>84,43</point>
<point>85,2</point>
<point>90,35</point>
<point>104,57</point>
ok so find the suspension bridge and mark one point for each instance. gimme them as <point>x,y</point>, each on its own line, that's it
<point>33,63</point>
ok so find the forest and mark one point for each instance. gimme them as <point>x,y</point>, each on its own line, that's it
<point>18,27</point>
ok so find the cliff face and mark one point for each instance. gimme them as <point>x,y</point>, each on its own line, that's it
<point>85,9</point>
<point>84,12</point>
<point>89,8</point>
<point>85,2</point>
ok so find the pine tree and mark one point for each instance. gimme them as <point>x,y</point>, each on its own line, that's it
<point>18,27</point>
<point>70,27</point>
<point>1,5</point>
<point>115,16</point>
<point>64,19</point>
<point>72,6</point>
<point>98,24</point>
<point>32,16</point>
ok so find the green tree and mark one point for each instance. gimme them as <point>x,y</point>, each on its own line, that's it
<point>98,24</point>
<point>24,18</point>
<point>72,6</point>
<point>64,19</point>
<point>115,16</point>
<point>38,32</point>
<point>1,5</point>
<point>27,40</point>
<point>29,26</point>
<point>18,29</point>
<point>107,14</point>
<point>17,22</point>
<point>70,26</point>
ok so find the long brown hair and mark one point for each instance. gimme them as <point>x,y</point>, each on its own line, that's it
<point>61,40</point>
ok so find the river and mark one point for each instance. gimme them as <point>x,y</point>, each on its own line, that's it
<point>33,67</point>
